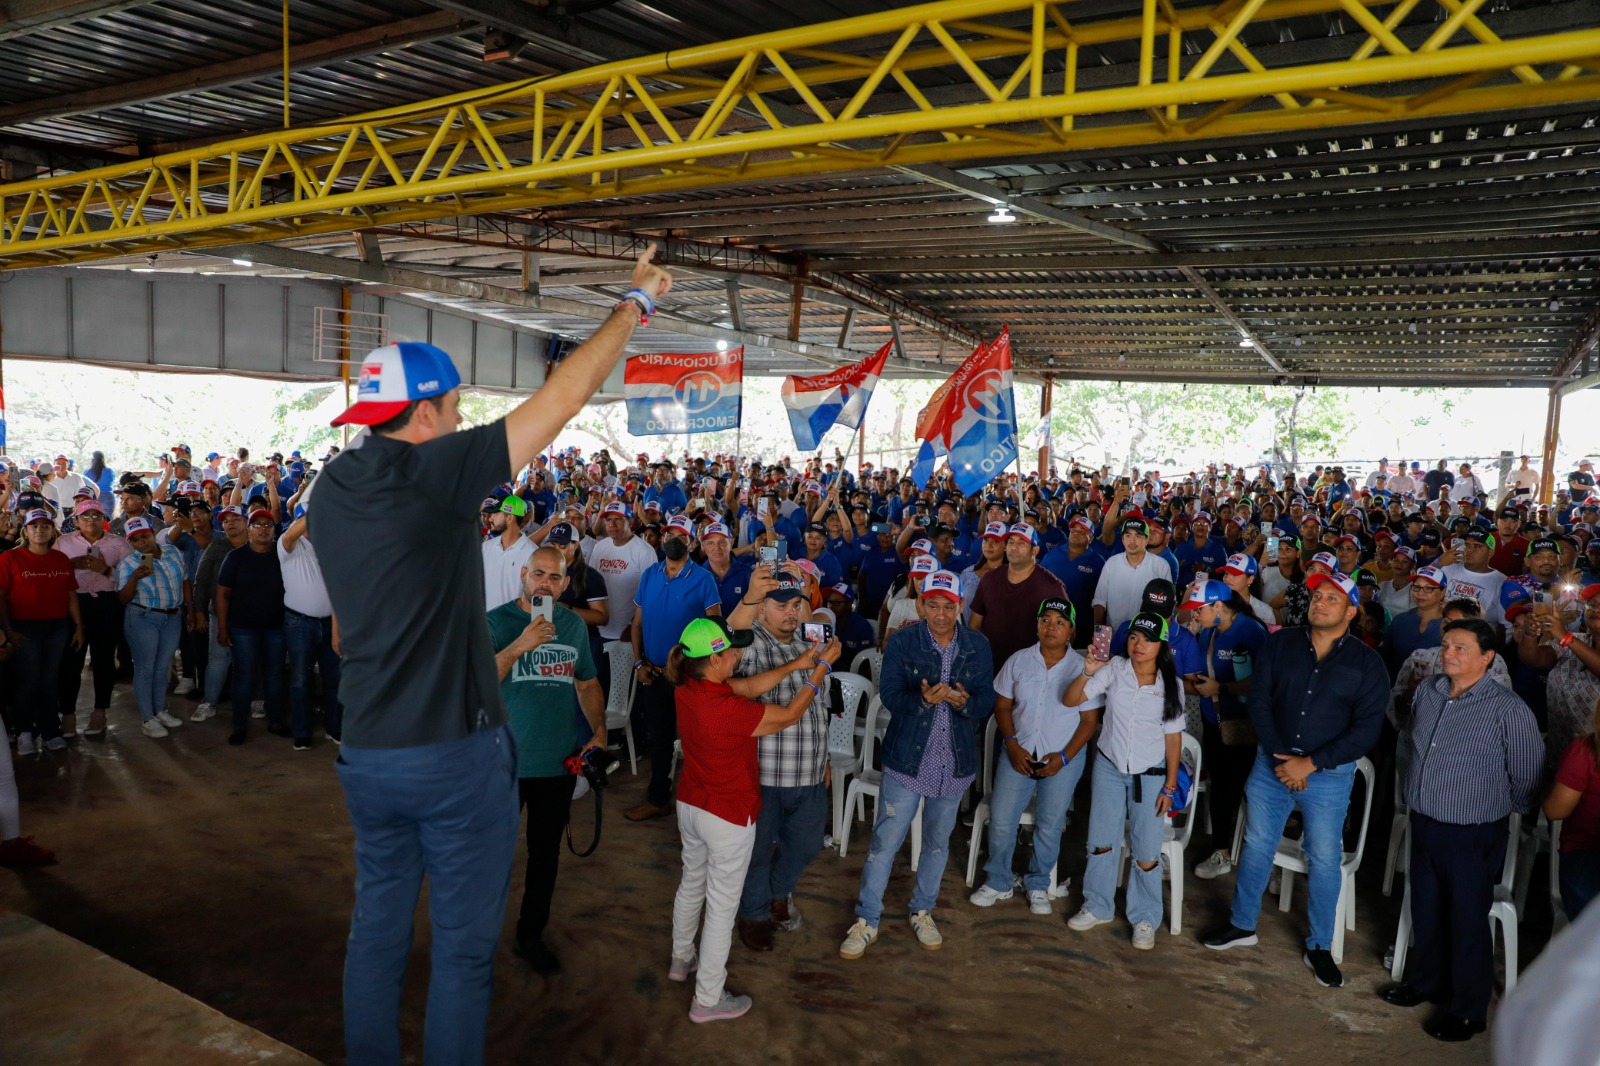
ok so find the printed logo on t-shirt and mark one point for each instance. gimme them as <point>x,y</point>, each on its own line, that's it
<point>1460,589</point>
<point>548,662</point>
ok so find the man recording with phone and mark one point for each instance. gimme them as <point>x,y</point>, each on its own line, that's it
<point>546,671</point>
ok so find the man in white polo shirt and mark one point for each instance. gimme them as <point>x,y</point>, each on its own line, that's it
<point>310,634</point>
<point>621,558</point>
<point>506,551</point>
<point>1120,590</point>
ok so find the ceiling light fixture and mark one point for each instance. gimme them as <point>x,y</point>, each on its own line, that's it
<point>722,346</point>
<point>1245,342</point>
<point>243,263</point>
<point>1002,213</point>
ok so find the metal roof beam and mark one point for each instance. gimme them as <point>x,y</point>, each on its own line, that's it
<point>429,27</point>
<point>21,17</point>
<point>1027,205</point>
<point>1368,255</point>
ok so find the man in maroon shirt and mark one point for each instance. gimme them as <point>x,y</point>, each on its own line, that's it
<point>1006,605</point>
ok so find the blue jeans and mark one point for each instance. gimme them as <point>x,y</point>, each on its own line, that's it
<point>448,811</point>
<point>1112,807</point>
<point>1322,810</point>
<point>1012,791</point>
<point>788,836</point>
<point>310,643</point>
<point>897,808</point>
<point>37,663</point>
<point>1580,881</point>
<point>153,638</point>
<point>257,655</point>
<point>218,659</point>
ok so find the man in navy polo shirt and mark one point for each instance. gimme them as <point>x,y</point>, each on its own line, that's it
<point>665,491</point>
<point>672,593</point>
<point>880,565</point>
<point>1077,565</point>
<point>816,541</point>
<point>732,573</point>
<point>1201,552</point>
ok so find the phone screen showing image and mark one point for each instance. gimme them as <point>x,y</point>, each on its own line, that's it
<point>816,632</point>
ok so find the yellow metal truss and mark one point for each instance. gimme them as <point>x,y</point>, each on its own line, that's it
<point>863,95</point>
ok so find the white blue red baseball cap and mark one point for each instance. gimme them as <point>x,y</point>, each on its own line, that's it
<point>396,375</point>
<point>995,531</point>
<point>922,546</point>
<point>1025,531</point>
<point>1328,559</point>
<point>680,524</point>
<point>1432,575</point>
<point>1343,583</point>
<point>1204,592</point>
<point>1240,563</point>
<point>715,529</point>
<point>942,583</point>
<point>131,527</point>
<point>1080,522</point>
<point>924,564</point>
<point>40,516</point>
<point>616,507</point>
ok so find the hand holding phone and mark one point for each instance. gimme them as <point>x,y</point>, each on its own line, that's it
<point>816,632</point>
<point>1100,647</point>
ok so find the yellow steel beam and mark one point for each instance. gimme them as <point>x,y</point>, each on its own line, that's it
<point>661,123</point>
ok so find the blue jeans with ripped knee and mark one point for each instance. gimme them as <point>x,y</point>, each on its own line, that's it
<point>897,808</point>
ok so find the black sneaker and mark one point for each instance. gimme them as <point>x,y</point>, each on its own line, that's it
<point>1229,936</point>
<point>1320,962</point>
<point>302,743</point>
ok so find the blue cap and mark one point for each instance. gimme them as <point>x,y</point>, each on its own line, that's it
<point>1202,593</point>
<point>394,376</point>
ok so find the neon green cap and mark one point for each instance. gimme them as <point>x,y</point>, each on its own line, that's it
<point>705,637</point>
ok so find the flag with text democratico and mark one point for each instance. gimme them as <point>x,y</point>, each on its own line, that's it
<point>668,393</point>
<point>837,398</point>
<point>972,418</point>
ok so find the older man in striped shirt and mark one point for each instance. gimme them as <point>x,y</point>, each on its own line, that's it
<point>1476,755</point>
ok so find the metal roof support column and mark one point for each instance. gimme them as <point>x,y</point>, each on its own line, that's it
<point>1552,434</point>
<point>1046,400</point>
<point>736,306</point>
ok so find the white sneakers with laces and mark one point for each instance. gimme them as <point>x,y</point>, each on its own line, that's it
<point>1085,919</point>
<point>927,933</point>
<point>203,712</point>
<point>682,968</point>
<point>1039,902</point>
<point>1215,866</point>
<point>153,728</point>
<point>1144,936</point>
<point>857,939</point>
<point>170,720</point>
<point>987,897</point>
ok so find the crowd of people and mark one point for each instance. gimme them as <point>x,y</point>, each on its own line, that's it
<point>1293,625</point>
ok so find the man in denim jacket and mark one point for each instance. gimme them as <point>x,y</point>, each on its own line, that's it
<point>938,687</point>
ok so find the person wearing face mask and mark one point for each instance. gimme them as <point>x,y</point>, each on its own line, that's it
<point>671,594</point>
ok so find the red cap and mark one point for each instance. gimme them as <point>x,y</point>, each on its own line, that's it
<point>261,512</point>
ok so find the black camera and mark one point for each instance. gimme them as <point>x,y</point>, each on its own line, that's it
<point>596,766</point>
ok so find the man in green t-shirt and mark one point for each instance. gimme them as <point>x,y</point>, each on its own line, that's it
<point>546,675</point>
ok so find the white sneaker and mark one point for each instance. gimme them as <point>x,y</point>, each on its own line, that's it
<point>25,744</point>
<point>1144,936</point>
<point>203,712</point>
<point>170,720</point>
<point>258,709</point>
<point>857,939</point>
<point>153,728</point>
<point>1063,888</point>
<point>1217,865</point>
<point>1039,902</point>
<point>726,1009</point>
<point>1085,919</point>
<point>987,897</point>
<point>927,933</point>
<point>682,968</point>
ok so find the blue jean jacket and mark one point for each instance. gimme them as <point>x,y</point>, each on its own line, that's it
<point>908,659</point>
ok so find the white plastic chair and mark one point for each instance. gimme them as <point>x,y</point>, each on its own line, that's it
<point>1175,840</point>
<point>845,732</point>
<point>1399,856</point>
<point>1536,840</point>
<point>868,781</point>
<point>1502,912</point>
<point>869,664</point>
<point>1291,859</point>
<point>624,681</point>
<point>980,813</point>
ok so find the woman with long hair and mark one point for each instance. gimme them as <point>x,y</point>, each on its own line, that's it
<point>39,610</point>
<point>1231,634</point>
<point>98,474</point>
<point>1574,801</point>
<point>993,557</point>
<point>719,793</point>
<point>1292,602</point>
<point>1135,774</point>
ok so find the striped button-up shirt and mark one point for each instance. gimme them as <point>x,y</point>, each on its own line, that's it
<point>163,589</point>
<point>798,756</point>
<point>1475,757</point>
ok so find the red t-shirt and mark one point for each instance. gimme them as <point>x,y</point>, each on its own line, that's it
<point>38,585</point>
<point>1581,829</point>
<point>720,775</point>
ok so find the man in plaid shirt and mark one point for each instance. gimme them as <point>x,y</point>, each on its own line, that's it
<point>794,801</point>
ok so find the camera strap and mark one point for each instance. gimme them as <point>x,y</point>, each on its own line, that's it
<point>595,843</point>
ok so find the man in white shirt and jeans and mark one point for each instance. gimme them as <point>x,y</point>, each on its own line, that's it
<point>310,634</point>
<point>621,558</point>
<point>1120,590</point>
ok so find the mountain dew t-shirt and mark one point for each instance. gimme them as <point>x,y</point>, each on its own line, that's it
<point>540,693</point>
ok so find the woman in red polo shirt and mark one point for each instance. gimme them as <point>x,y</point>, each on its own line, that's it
<point>719,793</point>
<point>39,611</point>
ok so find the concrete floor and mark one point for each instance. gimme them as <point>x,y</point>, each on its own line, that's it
<point>227,874</point>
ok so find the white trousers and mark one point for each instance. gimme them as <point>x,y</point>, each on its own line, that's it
<point>715,856</point>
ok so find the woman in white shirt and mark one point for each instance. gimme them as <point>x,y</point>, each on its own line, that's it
<point>1043,744</point>
<point>904,608</point>
<point>1395,594</point>
<point>1135,776</point>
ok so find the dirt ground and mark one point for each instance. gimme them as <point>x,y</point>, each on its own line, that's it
<point>227,873</point>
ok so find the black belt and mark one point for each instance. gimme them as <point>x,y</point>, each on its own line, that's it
<point>301,614</point>
<point>157,610</point>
